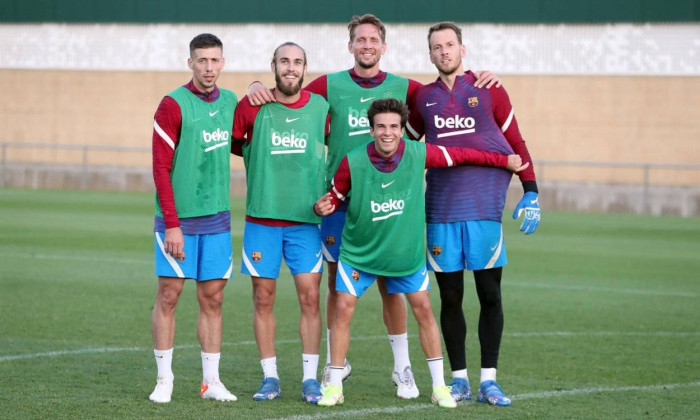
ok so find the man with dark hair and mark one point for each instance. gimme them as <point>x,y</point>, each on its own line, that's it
<point>282,144</point>
<point>349,94</point>
<point>386,217</point>
<point>464,205</point>
<point>191,133</point>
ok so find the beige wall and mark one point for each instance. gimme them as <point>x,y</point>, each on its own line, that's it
<point>610,119</point>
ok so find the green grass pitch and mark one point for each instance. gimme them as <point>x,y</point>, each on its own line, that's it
<point>602,321</point>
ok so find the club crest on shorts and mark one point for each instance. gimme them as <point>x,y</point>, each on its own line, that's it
<point>473,102</point>
<point>330,240</point>
<point>355,275</point>
<point>256,256</point>
<point>436,250</point>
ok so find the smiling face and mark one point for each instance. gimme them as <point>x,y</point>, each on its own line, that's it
<point>367,46</point>
<point>289,66</point>
<point>446,52</point>
<point>206,65</point>
<point>387,132</point>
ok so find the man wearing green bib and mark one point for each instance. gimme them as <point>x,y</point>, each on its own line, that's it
<point>284,154</point>
<point>384,232</point>
<point>349,94</point>
<point>191,136</point>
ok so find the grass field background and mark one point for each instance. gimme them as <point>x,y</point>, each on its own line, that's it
<point>602,321</point>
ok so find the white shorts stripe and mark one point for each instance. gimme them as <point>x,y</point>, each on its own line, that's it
<point>169,258</point>
<point>433,264</point>
<point>496,253</point>
<point>248,264</point>
<point>346,280</point>
<point>426,281</point>
<point>327,254</point>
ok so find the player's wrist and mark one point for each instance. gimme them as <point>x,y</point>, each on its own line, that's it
<point>530,186</point>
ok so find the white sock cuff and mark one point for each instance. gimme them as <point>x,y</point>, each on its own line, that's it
<point>161,353</point>
<point>488,374</point>
<point>211,356</point>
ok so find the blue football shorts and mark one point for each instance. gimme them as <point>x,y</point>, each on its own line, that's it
<point>474,245</point>
<point>265,246</point>
<point>207,257</point>
<point>356,282</point>
<point>332,234</point>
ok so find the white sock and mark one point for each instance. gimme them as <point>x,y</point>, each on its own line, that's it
<point>164,362</point>
<point>436,371</point>
<point>310,365</point>
<point>399,345</point>
<point>269,367</point>
<point>488,374</point>
<point>210,367</point>
<point>460,374</point>
<point>328,346</point>
<point>336,377</point>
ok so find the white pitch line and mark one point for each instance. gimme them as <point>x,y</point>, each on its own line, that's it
<point>518,284</point>
<point>97,350</point>
<point>602,289</point>
<point>74,258</point>
<point>535,395</point>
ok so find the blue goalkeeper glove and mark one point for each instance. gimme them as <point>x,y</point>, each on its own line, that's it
<point>531,207</point>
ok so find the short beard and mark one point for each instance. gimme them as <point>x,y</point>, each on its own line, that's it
<point>289,91</point>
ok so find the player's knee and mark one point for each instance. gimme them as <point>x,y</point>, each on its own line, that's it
<point>309,301</point>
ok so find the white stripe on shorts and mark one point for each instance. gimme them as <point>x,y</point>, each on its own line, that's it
<point>346,280</point>
<point>496,253</point>
<point>248,264</point>
<point>169,257</point>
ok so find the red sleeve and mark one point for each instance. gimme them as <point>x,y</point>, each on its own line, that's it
<point>505,117</point>
<point>443,157</point>
<point>341,185</point>
<point>243,122</point>
<point>414,126</point>
<point>413,87</point>
<point>167,124</point>
<point>319,86</point>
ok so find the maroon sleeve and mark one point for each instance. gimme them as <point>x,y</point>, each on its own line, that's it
<point>413,87</point>
<point>319,86</point>
<point>243,122</point>
<point>414,126</point>
<point>443,157</point>
<point>167,124</point>
<point>341,183</point>
<point>505,117</point>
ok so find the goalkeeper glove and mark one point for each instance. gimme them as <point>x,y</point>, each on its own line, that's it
<point>531,207</point>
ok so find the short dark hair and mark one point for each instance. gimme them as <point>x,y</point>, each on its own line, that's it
<point>288,44</point>
<point>385,106</point>
<point>369,19</point>
<point>205,41</point>
<point>441,26</point>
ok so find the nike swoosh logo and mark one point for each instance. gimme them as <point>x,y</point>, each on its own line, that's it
<point>318,254</point>
<point>493,248</point>
<point>291,119</point>
<point>211,114</point>
<point>366,99</point>
<point>427,104</point>
<point>386,185</point>
<point>424,271</point>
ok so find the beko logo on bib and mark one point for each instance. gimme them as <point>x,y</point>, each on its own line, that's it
<point>218,135</point>
<point>386,209</point>
<point>357,118</point>
<point>289,142</point>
